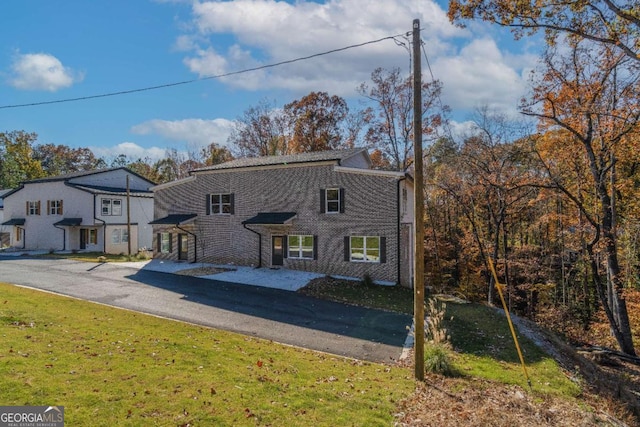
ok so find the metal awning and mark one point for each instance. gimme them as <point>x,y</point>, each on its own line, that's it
<point>69,222</point>
<point>14,221</point>
<point>271,218</point>
<point>175,219</point>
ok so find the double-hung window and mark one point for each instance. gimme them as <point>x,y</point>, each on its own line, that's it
<point>119,236</point>
<point>33,207</point>
<point>365,249</point>
<point>220,204</point>
<point>54,207</point>
<point>111,207</point>
<point>301,246</point>
<point>332,200</point>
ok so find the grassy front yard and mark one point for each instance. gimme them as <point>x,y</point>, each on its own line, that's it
<point>108,366</point>
<point>114,367</point>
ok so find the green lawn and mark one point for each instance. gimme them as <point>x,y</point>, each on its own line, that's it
<point>108,367</point>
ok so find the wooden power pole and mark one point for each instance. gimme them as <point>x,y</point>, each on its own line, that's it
<point>418,278</point>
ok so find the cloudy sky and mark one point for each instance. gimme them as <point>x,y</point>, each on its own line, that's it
<point>52,51</point>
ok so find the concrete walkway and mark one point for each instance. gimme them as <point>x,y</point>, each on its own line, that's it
<point>281,278</point>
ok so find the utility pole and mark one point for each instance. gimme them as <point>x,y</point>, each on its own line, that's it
<point>418,277</point>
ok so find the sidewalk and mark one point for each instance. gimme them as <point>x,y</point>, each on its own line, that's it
<point>288,280</point>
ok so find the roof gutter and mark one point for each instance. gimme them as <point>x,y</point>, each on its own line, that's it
<point>398,255</point>
<point>104,225</point>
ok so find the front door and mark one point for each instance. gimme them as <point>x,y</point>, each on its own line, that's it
<point>277,250</point>
<point>183,246</point>
<point>83,238</point>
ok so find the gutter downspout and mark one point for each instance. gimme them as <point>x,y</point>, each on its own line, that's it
<point>104,226</point>
<point>195,243</point>
<point>259,244</point>
<point>398,227</point>
<point>64,237</point>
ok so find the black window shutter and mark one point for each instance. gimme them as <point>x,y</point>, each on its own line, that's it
<point>315,247</point>
<point>323,207</point>
<point>207,203</point>
<point>232,199</point>
<point>347,250</point>
<point>159,242</point>
<point>342,200</point>
<point>383,250</point>
<point>170,242</point>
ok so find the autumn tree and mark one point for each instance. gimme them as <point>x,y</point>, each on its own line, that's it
<point>592,93</point>
<point>390,118</point>
<point>16,158</point>
<point>62,159</point>
<point>260,131</point>
<point>316,122</point>
<point>615,24</point>
<point>487,180</point>
<point>214,154</point>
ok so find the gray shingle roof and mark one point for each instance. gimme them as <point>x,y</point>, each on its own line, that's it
<point>316,156</point>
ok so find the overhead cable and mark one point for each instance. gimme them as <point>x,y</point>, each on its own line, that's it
<point>185,82</point>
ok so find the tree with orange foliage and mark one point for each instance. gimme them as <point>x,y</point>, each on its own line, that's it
<point>606,22</point>
<point>316,122</point>
<point>592,93</point>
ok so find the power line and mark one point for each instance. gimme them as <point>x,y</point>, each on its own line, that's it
<point>433,79</point>
<point>185,82</point>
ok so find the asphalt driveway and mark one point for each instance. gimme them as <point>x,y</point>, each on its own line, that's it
<point>274,314</point>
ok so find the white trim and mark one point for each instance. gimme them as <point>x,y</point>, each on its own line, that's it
<point>172,183</point>
<point>265,167</point>
<point>390,174</point>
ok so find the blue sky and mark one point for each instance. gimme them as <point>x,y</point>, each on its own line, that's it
<point>76,48</point>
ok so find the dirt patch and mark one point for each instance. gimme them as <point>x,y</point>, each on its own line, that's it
<point>203,271</point>
<point>444,402</point>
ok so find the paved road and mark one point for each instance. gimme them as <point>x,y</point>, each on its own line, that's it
<point>281,316</point>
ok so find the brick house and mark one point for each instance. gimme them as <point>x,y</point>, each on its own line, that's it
<point>325,212</point>
<point>80,211</point>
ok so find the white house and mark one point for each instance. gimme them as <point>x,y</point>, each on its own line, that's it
<point>4,234</point>
<point>89,210</point>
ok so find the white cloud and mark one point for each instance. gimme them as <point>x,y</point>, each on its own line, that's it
<point>197,132</point>
<point>131,150</point>
<point>473,68</point>
<point>481,75</point>
<point>270,31</point>
<point>41,71</point>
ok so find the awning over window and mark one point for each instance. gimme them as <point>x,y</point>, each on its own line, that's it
<point>14,221</point>
<point>176,219</point>
<point>69,222</point>
<point>271,218</point>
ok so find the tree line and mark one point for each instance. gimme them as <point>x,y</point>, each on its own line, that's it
<point>316,122</point>
<point>551,200</point>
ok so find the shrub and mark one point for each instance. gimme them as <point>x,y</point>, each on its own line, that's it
<point>437,359</point>
<point>367,280</point>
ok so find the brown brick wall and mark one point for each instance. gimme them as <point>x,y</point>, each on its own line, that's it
<point>370,209</point>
